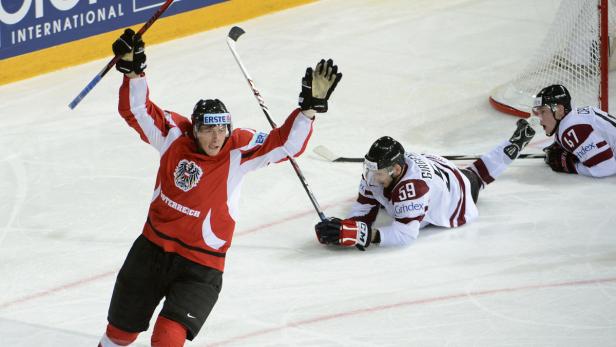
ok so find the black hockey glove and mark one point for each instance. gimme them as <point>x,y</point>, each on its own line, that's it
<point>345,233</point>
<point>131,49</point>
<point>559,159</point>
<point>318,85</point>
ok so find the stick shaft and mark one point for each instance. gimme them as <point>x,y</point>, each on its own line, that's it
<point>115,59</point>
<point>231,39</point>
<point>448,157</point>
<point>329,155</point>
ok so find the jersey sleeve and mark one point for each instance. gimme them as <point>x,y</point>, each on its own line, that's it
<point>410,198</point>
<point>157,127</point>
<point>366,207</point>
<point>595,156</point>
<point>290,139</point>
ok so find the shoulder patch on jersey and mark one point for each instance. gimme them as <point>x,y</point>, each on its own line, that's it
<point>583,110</point>
<point>409,190</point>
<point>366,200</point>
<point>258,139</point>
<point>187,175</point>
<point>575,135</point>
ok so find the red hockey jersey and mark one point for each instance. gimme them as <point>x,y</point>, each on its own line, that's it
<point>195,203</point>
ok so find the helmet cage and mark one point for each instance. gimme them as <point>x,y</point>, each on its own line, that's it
<point>539,103</point>
<point>371,169</point>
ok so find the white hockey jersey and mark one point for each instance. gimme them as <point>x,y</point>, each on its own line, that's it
<point>431,190</point>
<point>590,134</point>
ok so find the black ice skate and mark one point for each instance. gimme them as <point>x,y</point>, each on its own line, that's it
<point>520,138</point>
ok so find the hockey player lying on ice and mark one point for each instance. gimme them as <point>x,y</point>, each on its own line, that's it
<point>416,190</point>
<point>180,255</point>
<point>585,138</point>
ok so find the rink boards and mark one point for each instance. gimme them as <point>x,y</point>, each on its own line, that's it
<point>38,37</point>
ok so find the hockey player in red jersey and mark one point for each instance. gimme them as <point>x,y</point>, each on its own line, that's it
<point>180,255</point>
<point>584,138</point>
<point>416,190</point>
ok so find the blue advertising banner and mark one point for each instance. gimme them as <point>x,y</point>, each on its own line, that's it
<point>31,25</point>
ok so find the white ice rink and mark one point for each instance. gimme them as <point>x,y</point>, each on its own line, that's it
<point>537,269</point>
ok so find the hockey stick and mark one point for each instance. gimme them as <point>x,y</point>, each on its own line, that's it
<point>235,34</point>
<point>328,155</point>
<point>115,59</point>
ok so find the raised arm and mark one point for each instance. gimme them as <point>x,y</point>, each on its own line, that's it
<point>157,127</point>
<point>291,138</point>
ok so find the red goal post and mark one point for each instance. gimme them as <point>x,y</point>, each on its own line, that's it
<point>575,53</point>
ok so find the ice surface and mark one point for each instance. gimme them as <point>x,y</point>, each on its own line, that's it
<point>537,269</point>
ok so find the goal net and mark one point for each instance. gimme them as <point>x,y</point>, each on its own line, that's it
<point>570,54</point>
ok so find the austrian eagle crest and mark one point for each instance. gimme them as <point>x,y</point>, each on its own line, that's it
<point>187,175</point>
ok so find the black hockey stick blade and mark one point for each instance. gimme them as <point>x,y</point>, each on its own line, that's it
<point>235,33</point>
<point>328,155</point>
<point>475,157</point>
<point>325,153</point>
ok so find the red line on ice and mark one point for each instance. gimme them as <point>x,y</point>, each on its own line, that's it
<point>87,280</point>
<point>397,305</point>
<point>56,289</point>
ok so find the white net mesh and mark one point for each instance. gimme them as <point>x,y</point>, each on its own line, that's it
<point>568,55</point>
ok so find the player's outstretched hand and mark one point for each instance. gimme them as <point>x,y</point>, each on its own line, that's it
<point>131,49</point>
<point>559,159</point>
<point>343,232</point>
<point>318,85</point>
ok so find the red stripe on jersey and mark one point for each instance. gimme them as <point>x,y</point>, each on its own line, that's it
<point>124,109</point>
<point>408,220</point>
<point>285,130</point>
<point>301,151</point>
<point>461,217</point>
<point>182,243</point>
<point>153,111</point>
<point>195,254</point>
<point>455,212</point>
<point>458,215</point>
<point>574,136</point>
<point>599,158</point>
<point>601,144</point>
<point>364,200</point>
<point>370,217</point>
<point>483,171</point>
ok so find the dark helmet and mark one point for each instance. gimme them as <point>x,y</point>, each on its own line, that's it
<point>385,152</point>
<point>211,112</point>
<point>553,95</point>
